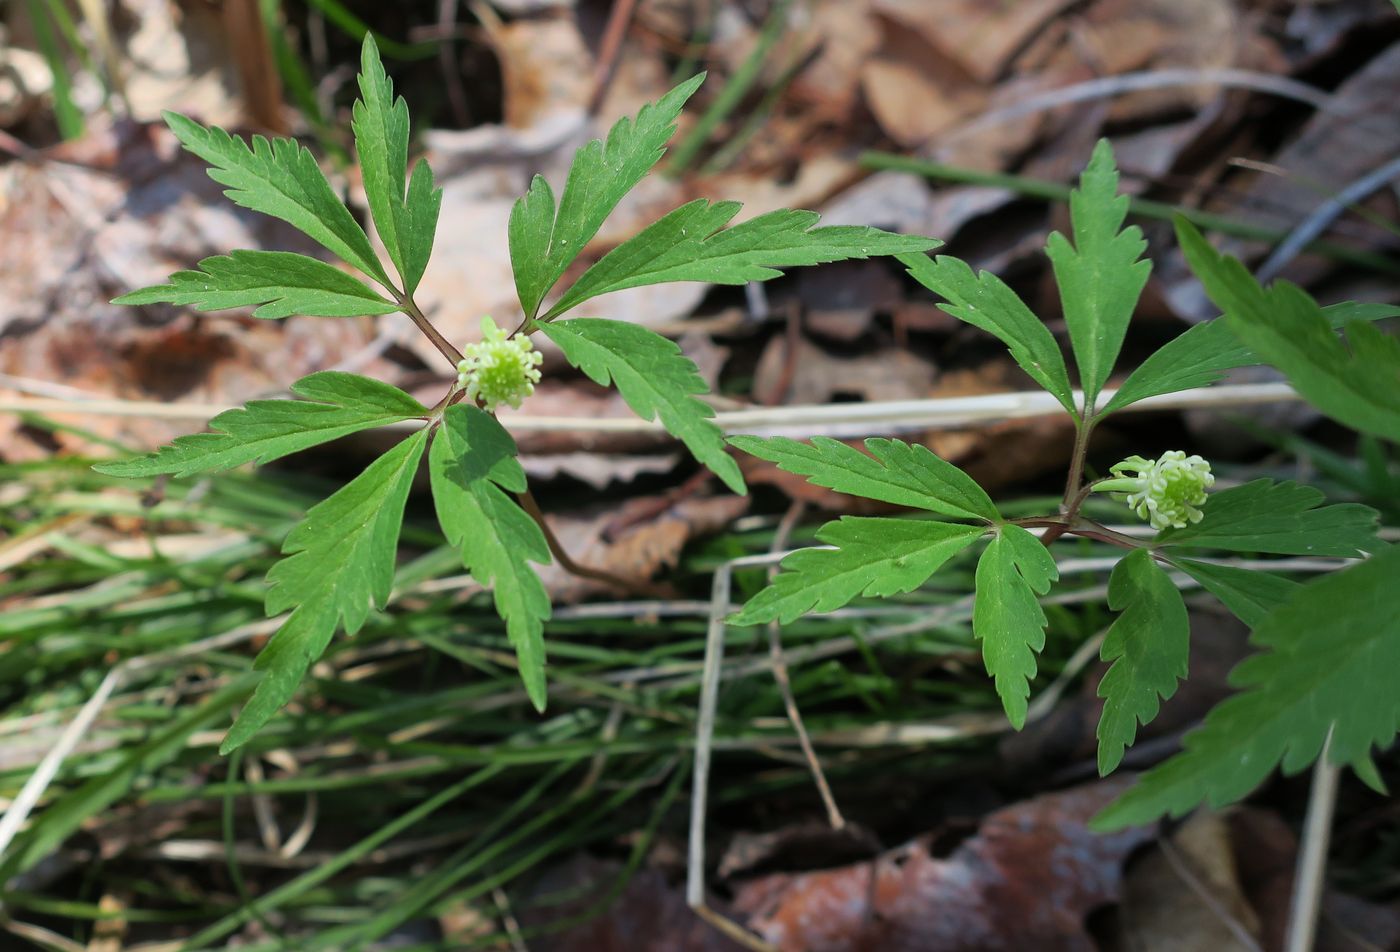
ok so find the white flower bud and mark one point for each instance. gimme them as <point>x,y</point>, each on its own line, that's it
<point>1168,493</point>
<point>499,370</point>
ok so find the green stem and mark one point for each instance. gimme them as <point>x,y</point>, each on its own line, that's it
<point>1092,530</point>
<point>1073,498</point>
<point>1121,484</point>
<point>1084,529</point>
<point>420,320</point>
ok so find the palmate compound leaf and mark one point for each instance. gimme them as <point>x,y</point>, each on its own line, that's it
<point>1328,662</point>
<point>405,222</point>
<point>655,379</point>
<point>873,557</point>
<point>472,464</point>
<point>281,283</point>
<point>1006,615</point>
<point>893,472</point>
<point>280,178</point>
<point>693,244</point>
<point>1201,355</point>
<point>984,301</point>
<point>544,242</point>
<point>1148,644</point>
<point>339,562</point>
<point>337,404</point>
<point>1286,328</point>
<point>1100,276</point>
<point>1281,519</point>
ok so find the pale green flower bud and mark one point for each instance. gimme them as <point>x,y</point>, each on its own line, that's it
<point>499,370</point>
<point>1168,493</point>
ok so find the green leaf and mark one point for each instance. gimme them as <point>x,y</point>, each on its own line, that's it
<point>693,244</point>
<point>1285,327</point>
<point>984,301</point>
<point>894,472</point>
<point>1100,277</point>
<point>1329,661</point>
<point>874,557</point>
<point>1148,644</point>
<point>1007,617</point>
<point>283,283</point>
<point>1198,357</point>
<point>281,179</point>
<point>1280,518</point>
<point>420,224</point>
<point>543,243</point>
<point>1201,355</point>
<point>1249,594</point>
<point>339,561</point>
<point>472,461</point>
<point>655,379</point>
<point>337,404</point>
<point>380,122</point>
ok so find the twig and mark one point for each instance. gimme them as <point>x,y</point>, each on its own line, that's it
<point>47,388</point>
<point>704,742</point>
<point>512,925</point>
<point>268,830</point>
<point>733,930</point>
<point>43,775</point>
<point>836,419</point>
<point>1310,879</point>
<point>1323,216</point>
<point>780,675</point>
<point>705,732</point>
<point>619,19</point>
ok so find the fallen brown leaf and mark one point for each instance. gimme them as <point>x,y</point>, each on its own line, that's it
<point>979,37</point>
<point>1162,909</point>
<point>1027,880</point>
<point>650,914</point>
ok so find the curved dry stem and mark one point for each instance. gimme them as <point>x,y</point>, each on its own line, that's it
<point>567,563</point>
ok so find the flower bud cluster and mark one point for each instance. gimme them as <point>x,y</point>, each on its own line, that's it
<point>1167,492</point>
<point>499,370</point>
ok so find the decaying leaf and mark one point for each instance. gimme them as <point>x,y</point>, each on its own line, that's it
<point>1027,880</point>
